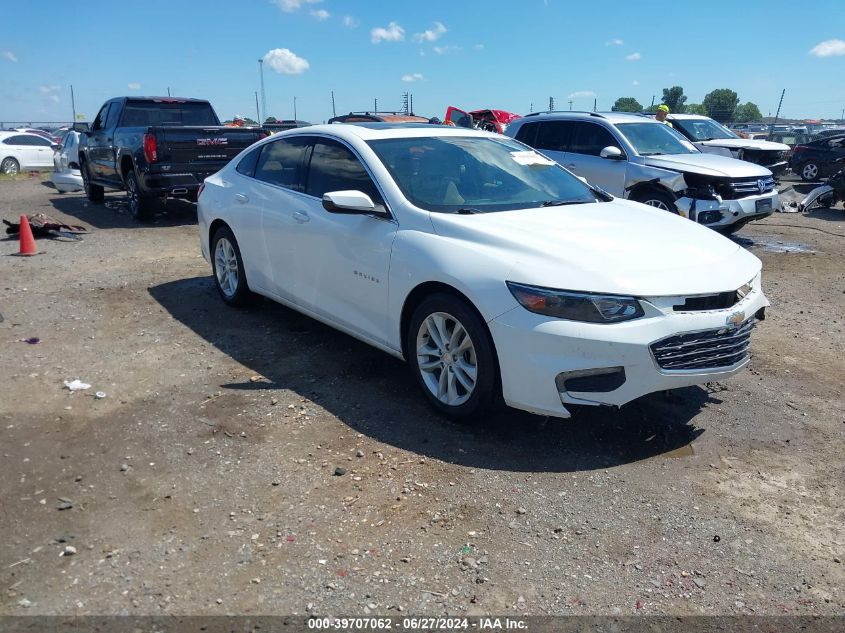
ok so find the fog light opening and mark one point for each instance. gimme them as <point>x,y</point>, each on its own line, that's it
<point>598,380</point>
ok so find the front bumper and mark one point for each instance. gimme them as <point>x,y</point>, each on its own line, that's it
<point>723,213</point>
<point>533,350</point>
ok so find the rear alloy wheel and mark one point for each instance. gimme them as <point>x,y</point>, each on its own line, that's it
<point>658,200</point>
<point>228,267</point>
<point>452,357</point>
<point>10,166</point>
<point>94,193</point>
<point>141,207</point>
<point>809,171</point>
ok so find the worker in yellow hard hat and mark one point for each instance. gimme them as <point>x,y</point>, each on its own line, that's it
<point>660,115</point>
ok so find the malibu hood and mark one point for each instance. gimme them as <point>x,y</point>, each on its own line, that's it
<point>708,165</point>
<point>618,247</point>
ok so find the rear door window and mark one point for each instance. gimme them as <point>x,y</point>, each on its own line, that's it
<point>555,136</point>
<point>528,134</point>
<point>281,163</point>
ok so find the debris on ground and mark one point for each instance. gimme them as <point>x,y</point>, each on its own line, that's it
<point>77,385</point>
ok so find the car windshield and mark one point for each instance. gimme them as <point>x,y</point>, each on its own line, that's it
<point>703,129</point>
<point>653,139</point>
<point>457,174</point>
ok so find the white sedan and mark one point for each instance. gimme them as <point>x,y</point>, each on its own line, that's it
<point>494,272</point>
<point>22,150</point>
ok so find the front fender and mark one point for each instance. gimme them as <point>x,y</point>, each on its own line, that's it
<point>641,174</point>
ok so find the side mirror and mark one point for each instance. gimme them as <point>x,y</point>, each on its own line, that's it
<point>612,153</point>
<point>56,147</point>
<point>353,202</point>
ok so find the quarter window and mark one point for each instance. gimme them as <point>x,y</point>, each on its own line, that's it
<point>591,139</point>
<point>246,166</point>
<point>280,163</point>
<point>335,168</point>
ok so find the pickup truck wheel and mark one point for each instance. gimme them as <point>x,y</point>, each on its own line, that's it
<point>141,207</point>
<point>94,193</point>
<point>228,267</point>
<point>657,199</point>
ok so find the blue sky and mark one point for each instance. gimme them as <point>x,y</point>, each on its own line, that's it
<point>506,55</point>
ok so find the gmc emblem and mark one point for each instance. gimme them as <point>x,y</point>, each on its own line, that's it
<point>204,142</point>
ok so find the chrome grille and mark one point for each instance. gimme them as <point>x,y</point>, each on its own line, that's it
<point>710,349</point>
<point>743,188</point>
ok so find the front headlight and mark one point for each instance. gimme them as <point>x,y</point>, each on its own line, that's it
<point>576,306</point>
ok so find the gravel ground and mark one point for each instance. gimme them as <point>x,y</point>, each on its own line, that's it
<point>259,462</point>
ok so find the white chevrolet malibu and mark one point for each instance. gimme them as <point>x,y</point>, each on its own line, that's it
<point>494,272</point>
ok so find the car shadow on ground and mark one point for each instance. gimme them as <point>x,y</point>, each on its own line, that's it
<point>375,395</point>
<point>113,213</point>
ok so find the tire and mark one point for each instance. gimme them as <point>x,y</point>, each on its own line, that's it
<point>228,267</point>
<point>94,193</point>
<point>10,166</point>
<point>809,171</point>
<point>658,199</point>
<point>141,207</point>
<point>462,386</point>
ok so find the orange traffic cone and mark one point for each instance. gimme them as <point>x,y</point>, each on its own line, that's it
<point>27,241</point>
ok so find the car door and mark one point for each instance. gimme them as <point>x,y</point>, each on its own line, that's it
<point>109,150</point>
<point>279,174</point>
<point>836,158</point>
<point>583,157</point>
<point>97,143</point>
<point>343,259</point>
<point>42,150</point>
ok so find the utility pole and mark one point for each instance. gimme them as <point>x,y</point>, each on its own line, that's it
<point>405,103</point>
<point>257,113</point>
<point>412,104</point>
<point>333,110</point>
<point>570,104</point>
<point>595,102</point>
<point>551,104</point>
<point>531,109</point>
<point>652,102</point>
<point>72,107</point>
<point>294,108</point>
<point>777,114</point>
<point>375,105</point>
<point>168,91</point>
<point>263,94</point>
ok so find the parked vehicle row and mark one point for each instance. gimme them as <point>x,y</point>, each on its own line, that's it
<point>24,150</point>
<point>818,159</point>
<point>492,270</point>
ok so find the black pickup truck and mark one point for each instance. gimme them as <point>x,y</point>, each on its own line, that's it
<point>156,147</point>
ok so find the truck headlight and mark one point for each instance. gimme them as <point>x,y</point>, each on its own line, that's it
<point>576,306</point>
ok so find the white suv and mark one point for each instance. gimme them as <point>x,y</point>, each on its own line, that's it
<point>638,158</point>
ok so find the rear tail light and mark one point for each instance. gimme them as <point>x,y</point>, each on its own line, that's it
<point>799,148</point>
<point>150,148</point>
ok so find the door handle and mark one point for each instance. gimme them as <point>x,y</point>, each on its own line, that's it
<point>242,198</point>
<point>301,217</point>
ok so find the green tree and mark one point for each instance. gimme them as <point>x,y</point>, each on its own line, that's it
<point>721,104</point>
<point>747,112</point>
<point>675,98</point>
<point>627,104</point>
<point>695,108</point>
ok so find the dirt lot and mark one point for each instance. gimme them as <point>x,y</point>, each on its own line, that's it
<point>204,482</point>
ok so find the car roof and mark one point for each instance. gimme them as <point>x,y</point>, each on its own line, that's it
<point>5,133</point>
<point>370,131</point>
<point>684,117</point>
<point>610,117</point>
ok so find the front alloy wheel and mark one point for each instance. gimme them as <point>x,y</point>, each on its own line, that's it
<point>446,359</point>
<point>810,171</point>
<point>10,166</point>
<point>226,267</point>
<point>452,357</point>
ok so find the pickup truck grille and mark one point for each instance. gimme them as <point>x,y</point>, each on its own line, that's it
<point>744,188</point>
<point>710,349</point>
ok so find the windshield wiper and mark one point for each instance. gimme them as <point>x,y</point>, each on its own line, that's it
<point>467,211</point>
<point>561,203</point>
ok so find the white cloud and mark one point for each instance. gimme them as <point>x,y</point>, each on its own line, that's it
<point>633,57</point>
<point>614,42</point>
<point>393,33</point>
<point>54,98</point>
<point>291,6</point>
<point>286,62</point>
<point>635,83</point>
<point>582,94</point>
<point>321,14</point>
<point>443,50</point>
<point>350,22</point>
<point>50,92</point>
<point>432,34</point>
<point>478,47</point>
<point>10,56</point>
<point>828,48</point>
<point>412,77</point>
<point>134,86</point>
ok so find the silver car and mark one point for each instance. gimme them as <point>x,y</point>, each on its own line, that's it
<point>638,158</point>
